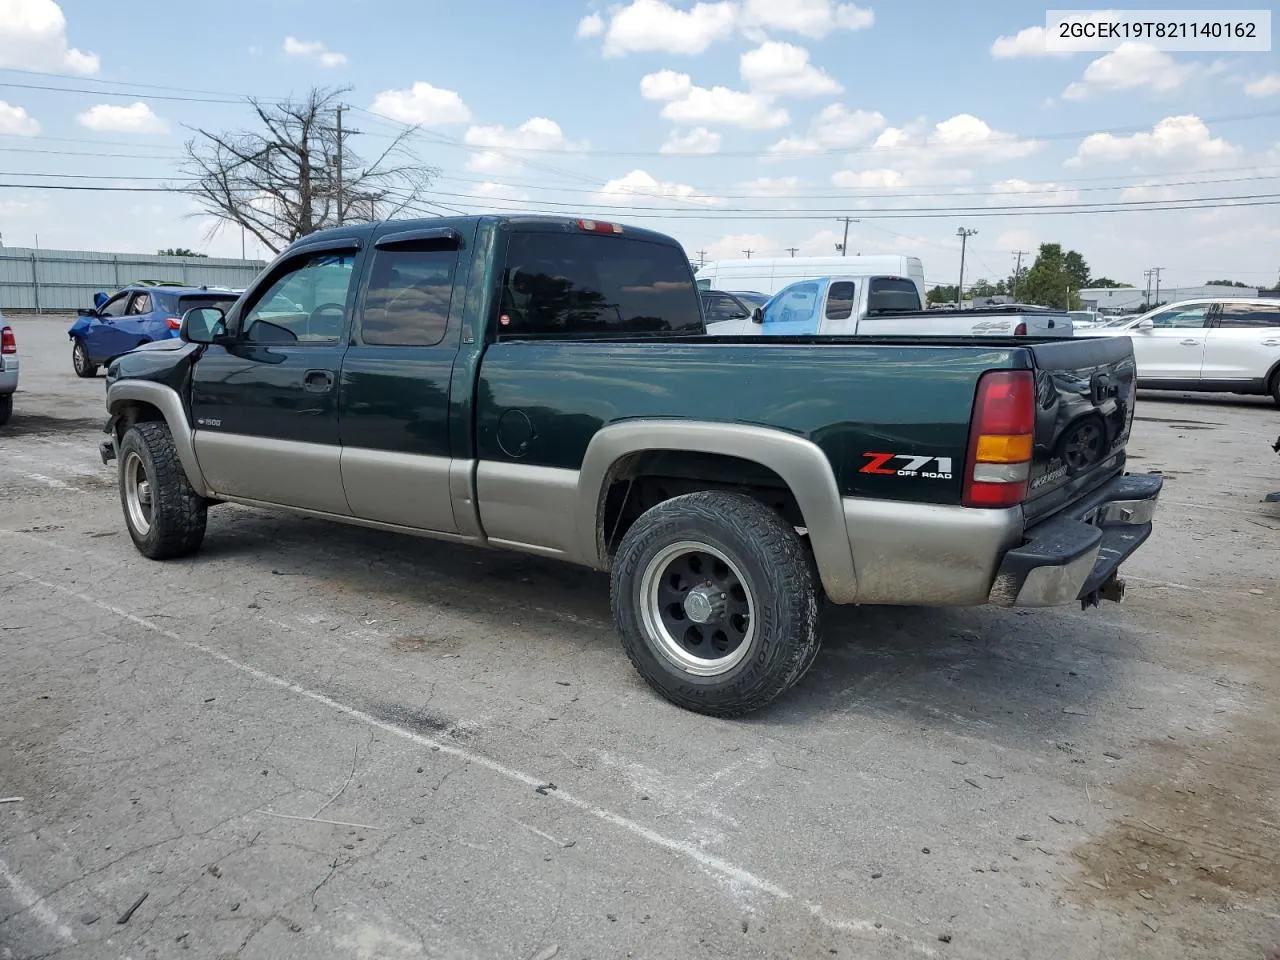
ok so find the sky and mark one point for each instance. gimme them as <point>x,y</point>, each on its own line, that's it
<point>731,125</point>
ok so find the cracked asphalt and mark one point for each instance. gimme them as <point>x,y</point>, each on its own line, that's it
<point>313,741</point>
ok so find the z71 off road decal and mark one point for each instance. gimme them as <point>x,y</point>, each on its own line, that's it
<point>905,465</point>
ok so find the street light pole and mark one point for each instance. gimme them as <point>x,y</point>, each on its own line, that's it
<point>964,236</point>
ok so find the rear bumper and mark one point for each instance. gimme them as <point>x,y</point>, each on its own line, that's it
<point>1075,554</point>
<point>8,374</point>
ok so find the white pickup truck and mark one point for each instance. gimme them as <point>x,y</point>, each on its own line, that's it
<point>883,306</point>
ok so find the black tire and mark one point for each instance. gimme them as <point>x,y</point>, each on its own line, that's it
<point>1275,387</point>
<point>80,362</point>
<point>760,653</point>
<point>168,519</point>
<point>6,408</point>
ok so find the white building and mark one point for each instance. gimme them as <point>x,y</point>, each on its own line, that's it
<point>1131,299</point>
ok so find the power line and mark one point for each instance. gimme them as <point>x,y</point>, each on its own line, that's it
<point>112,93</point>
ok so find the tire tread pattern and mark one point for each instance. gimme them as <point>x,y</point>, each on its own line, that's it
<point>178,512</point>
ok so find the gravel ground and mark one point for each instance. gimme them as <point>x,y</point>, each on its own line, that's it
<point>315,741</point>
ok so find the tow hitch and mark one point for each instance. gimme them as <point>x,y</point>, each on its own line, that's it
<point>1111,589</point>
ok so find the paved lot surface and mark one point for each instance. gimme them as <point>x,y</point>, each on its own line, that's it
<point>312,741</point>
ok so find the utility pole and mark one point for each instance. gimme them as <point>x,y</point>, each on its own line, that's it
<point>1017,272</point>
<point>1156,271</point>
<point>793,251</point>
<point>844,245</point>
<point>339,162</point>
<point>702,258</point>
<point>748,253</point>
<point>1146,274</point>
<point>964,236</point>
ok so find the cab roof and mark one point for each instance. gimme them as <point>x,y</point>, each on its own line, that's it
<point>363,231</point>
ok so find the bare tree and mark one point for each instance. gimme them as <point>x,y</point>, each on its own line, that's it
<point>295,172</point>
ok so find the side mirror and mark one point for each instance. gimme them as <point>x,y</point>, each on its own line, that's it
<point>757,315</point>
<point>1147,324</point>
<point>203,325</point>
<point>86,312</point>
<point>99,299</point>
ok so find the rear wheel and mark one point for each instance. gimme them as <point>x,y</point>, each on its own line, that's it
<point>1275,387</point>
<point>84,367</point>
<point>716,600</point>
<point>6,408</point>
<point>164,514</point>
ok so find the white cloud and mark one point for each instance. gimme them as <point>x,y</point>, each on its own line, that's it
<point>810,18</point>
<point>1184,137</point>
<point>783,69</point>
<point>639,187</point>
<point>15,121</point>
<point>1267,86</point>
<point>771,186</point>
<point>592,25</point>
<point>112,118</point>
<point>1131,66</point>
<point>537,133</point>
<point>422,104</point>
<point>1027,193</point>
<point>879,178</point>
<point>964,135</point>
<point>689,105</point>
<point>699,140</point>
<point>33,36</point>
<point>499,191</point>
<point>1033,41</point>
<point>824,243</point>
<point>656,26</point>
<point>833,128</point>
<point>314,51</point>
<point>732,246</point>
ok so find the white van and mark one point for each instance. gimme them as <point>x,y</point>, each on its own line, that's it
<point>768,275</point>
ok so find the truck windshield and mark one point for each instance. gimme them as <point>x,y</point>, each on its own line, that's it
<point>558,284</point>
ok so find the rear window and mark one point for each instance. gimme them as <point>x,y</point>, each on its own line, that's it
<point>558,284</point>
<point>892,295</point>
<point>223,303</point>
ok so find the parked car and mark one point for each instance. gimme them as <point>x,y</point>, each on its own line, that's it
<point>8,370</point>
<point>719,305</point>
<point>138,314</point>
<point>876,305</point>
<point>544,385</point>
<point>1229,345</point>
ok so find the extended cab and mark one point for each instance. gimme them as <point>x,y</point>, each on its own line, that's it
<point>546,385</point>
<point>877,306</point>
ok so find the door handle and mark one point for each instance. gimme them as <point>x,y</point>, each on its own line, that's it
<point>1191,343</point>
<point>317,381</point>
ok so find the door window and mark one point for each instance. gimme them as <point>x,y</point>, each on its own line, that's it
<point>1192,315</point>
<point>115,307</point>
<point>141,304</point>
<point>794,304</point>
<point>407,304</point>
<point>558,284</point>
<point>307,303</point>
<point>720,307</point>
<point>1249,315</point>
<point>840,300</point>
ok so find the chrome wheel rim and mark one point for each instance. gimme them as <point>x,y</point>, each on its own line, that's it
<point>137,493</point>
<point>697,609</point>
<point>79,357</point>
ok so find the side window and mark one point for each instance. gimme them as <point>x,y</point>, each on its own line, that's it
<point>308,303</point>
<point>582,284</point>
<point>892,295</point>
<point>719,307</point>
<point>115,307</point>
<point>840,300</point>
<point>1238,315</point>
<point>407,304</point>
<point>141,304</point>
<point>1189,316</point>
<point>794,304</point>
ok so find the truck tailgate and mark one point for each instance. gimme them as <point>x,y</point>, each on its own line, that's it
<point>1084,407</point>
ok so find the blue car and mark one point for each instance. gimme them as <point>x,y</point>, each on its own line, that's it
<point>138,314</point>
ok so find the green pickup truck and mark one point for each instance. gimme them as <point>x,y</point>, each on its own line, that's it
<point>546,385</point>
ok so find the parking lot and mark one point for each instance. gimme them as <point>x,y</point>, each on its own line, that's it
<point>320,741</point>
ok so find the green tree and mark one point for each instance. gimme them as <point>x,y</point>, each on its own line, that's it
<point>983,288</point>
<point>1056,278</point>
<point>179,252</point>
<point>1224,283</point>
<point>1108,283</point>
<point>941,294</point>
<point>1077,270</point>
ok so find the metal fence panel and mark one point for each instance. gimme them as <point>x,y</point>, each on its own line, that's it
<point>64,280</point>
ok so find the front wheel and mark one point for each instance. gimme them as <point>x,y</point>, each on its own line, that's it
<point>80,361</point>
<point>164,514</point>
<point>716,600</point>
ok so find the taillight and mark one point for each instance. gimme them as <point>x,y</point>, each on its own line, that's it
<point>597,226</point>
<point>174,323</point>
<point>7,342</point>
<point>1020,330</point>
<point>1001,439</point>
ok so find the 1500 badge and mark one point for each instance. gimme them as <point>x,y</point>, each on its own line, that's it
<point>882,464</point>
